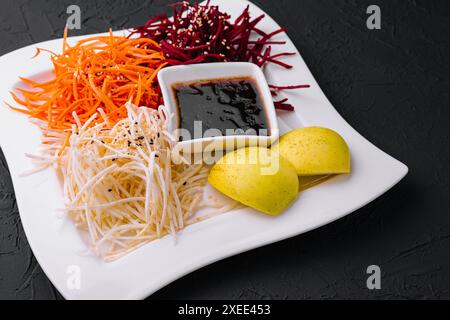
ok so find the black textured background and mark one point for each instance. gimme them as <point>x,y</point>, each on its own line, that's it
<point>392,85</point>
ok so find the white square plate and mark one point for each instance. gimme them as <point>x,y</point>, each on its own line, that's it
<point>57,244</point>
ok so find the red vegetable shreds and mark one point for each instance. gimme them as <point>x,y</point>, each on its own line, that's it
<point>202,33</point>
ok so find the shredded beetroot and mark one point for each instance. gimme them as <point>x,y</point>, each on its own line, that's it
<point>279,88</point>
<point>281,105</point>
<point>202,33</point>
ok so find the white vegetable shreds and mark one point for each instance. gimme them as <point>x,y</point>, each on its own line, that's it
<point>121,185</point>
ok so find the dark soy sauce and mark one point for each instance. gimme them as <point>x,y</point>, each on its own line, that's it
<point>231,103</point>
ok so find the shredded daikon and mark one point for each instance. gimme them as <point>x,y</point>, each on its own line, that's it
<point>121,186</point>
<point>124,185</point>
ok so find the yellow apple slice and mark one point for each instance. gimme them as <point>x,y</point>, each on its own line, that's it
<point>256,177</point>
<point>315,151</point>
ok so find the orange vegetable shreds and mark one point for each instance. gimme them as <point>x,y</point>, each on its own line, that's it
<point>98,72</point>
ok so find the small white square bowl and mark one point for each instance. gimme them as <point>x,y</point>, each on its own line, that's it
<point>170,76</point>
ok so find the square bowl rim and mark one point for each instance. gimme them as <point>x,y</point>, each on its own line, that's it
<point>213,69</point>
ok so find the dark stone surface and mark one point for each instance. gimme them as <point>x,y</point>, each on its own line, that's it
<point>391,85</point>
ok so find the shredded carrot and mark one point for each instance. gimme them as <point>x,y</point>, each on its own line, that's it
<point>98,72</point>
<point>65,144</point>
